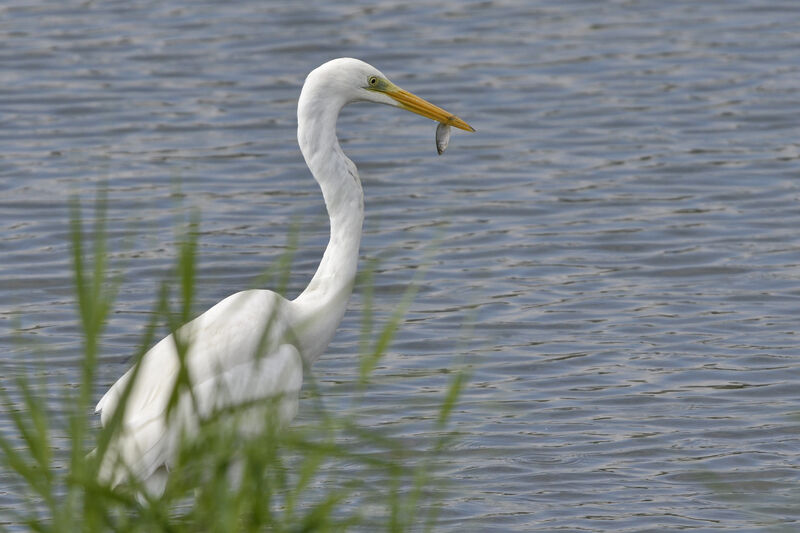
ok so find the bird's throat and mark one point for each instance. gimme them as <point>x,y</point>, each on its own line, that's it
<point>321,306</point>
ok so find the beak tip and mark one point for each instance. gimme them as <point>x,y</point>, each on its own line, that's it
<point>460,124</point>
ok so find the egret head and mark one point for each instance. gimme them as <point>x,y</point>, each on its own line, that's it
<point>353,80</point>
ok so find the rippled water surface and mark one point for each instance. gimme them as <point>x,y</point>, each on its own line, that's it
<point>615,252</point>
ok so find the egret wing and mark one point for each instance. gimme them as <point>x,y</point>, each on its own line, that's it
<point>235,355</point>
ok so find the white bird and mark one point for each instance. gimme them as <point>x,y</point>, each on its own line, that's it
<point>254,344</point>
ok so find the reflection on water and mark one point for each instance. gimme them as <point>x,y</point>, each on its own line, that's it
<point>621,230</point>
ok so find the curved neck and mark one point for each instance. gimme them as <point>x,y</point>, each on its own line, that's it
<point>321,306</point>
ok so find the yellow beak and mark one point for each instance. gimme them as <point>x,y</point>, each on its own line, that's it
<point>415,104</point>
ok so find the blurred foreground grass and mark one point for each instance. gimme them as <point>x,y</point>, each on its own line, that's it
<point>283,484</point>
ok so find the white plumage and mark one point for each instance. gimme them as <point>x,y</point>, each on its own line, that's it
<point>254,344</point>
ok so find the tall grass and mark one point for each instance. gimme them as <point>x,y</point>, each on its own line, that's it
<point>284,482</point>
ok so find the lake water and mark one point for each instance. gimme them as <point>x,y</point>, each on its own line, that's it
<point>615,253</point>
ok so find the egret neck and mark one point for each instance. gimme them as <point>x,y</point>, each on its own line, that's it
<point>322,304</point>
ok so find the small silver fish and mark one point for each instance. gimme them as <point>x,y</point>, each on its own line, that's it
<point>442,137</point>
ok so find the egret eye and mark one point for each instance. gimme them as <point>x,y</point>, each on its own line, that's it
<point>373,81</point>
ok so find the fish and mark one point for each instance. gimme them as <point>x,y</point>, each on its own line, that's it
<point>442,137</point>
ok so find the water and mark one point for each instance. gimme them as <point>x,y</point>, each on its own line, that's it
<point>615,252</point>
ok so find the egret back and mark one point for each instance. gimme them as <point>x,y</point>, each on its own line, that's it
<point>238,352</point>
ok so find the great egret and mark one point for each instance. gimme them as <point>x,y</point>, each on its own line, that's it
<point>254,344</point>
